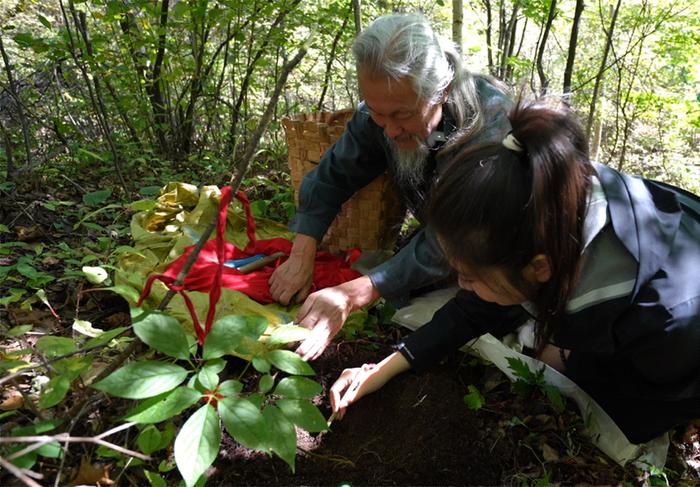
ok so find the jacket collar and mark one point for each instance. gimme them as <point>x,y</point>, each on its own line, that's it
<point>644,219</point>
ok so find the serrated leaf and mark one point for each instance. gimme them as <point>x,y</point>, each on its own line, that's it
<point>140,380</point>
<point>282,438</point>
<point>555,397</point>
<point>228,334</point>
<point>303,414</point>
<point>197,444</point>
<point>244,422</point>
<point>95,275</point>
<point>163,333</point>
<point>289,362</point>
<point>474,399</point>
<point>520,369</point>
<point>54,391</point>
<point>298,388</point>
<point>164,406</point>
<point>266,383</point>
<point>287,334</point>
<point>52,346</point>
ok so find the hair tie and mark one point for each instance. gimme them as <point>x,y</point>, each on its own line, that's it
<point>511,143</point>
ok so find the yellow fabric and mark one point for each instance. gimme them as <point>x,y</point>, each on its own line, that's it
<point>179,216</point>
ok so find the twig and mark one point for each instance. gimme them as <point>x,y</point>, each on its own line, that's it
<point>19,473</point>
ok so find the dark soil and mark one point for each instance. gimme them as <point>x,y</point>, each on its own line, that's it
<point>417,430</point>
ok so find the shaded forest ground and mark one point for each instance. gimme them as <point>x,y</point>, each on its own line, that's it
<point>416,430</point>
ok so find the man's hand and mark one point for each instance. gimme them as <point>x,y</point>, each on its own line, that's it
<point>325,312</point>
<point>360,381</point>
<point>293,278</point>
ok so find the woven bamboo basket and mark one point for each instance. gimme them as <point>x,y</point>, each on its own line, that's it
<point>372,218</point>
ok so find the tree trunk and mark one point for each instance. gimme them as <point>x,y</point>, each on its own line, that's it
<point>544,82</point>
<point>329,63</point>
<point>457,22</point>
<point>601,71</point>
<point>14,93</point>
<point>489,35</point>
<point>573,40</point>
<point>357,12</point>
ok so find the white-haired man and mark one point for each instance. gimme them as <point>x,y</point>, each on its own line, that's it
<point>417,98</point>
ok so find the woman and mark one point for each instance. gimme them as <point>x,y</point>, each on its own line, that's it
<point>605,264</point>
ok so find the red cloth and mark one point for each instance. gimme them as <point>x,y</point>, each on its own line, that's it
<point>208,274</point>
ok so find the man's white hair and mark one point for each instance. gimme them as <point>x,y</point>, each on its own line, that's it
<point>405,46</point>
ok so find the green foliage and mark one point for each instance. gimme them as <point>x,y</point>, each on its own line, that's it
<point>474,399</point>
<point>527,380</point>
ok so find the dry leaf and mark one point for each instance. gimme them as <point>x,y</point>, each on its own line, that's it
<point>11,399</point>
<point>27,234</point>
<point>50,260</point>
<point>89,474</point>
<point>549,453</point>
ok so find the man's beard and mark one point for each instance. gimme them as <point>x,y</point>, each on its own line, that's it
<point>409,164</point>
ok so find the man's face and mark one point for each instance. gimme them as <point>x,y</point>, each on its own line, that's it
<point>393,105</point>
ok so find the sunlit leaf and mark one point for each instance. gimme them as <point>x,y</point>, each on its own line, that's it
<point>227,335</point>
<point>303,414</point>
<point>244,422</point>
<point>139,380</point>
<point>164,406</point>
<point>287,334</point>
<point>298,388</point>
<point>197,444</point>
<point>282,438</point>
<point>289,362</point>
<point>54,391</point>
<point>163,333</point>
<point>52,346</point>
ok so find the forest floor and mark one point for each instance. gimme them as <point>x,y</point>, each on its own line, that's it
<point>416,430</point>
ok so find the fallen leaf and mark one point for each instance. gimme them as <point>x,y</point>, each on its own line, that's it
<point>549,453</point>
<point>690,434</point>
<point>92,474</point>
<point>11,399</point>
<point>27,234</point>
<point>50,260</point>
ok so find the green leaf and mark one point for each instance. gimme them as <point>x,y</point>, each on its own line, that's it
<point>72,367</point>
<point>54,346</point>
<point>104,338</point>
<point>520,369</point>
<point>126,292</point>
<point>163,333</point>
<point>149,440</point>
<point>287,334</point>
<point>298,388</point>
<point>54,391</point>
<point>154,479</point>
<point>289,362</point>
<point>228,335</point>
<point>474,400</point>
<point>555,397</point>
<point>244,422</point>
<point>197,444</point>
<point>142,205</point>
<point>266,383</point>
<point>95,275</point>
<point>149,190</point>
<point>208,378</point>
<point>19,330</point>
<point>143,379</point>
<point>230,388</point>
<point>261,365</point>
<point>282,438</point>
<point>303,414</point>
<point>96,197</point>
<point>50,450</point>
<point>45,22</point>
<point>164,406</point>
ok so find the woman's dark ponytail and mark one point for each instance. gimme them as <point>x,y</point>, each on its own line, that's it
<point>500,205</point>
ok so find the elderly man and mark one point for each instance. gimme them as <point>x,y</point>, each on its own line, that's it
<point>417,99</point>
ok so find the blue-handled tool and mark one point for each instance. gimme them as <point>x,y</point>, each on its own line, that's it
<point>236,263</point>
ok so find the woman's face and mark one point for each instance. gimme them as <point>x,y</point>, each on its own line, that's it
<point>490,284</point>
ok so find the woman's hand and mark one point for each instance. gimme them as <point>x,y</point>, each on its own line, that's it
<point>292,280</point>
<point>325,312</point>
<point>360,381</point>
